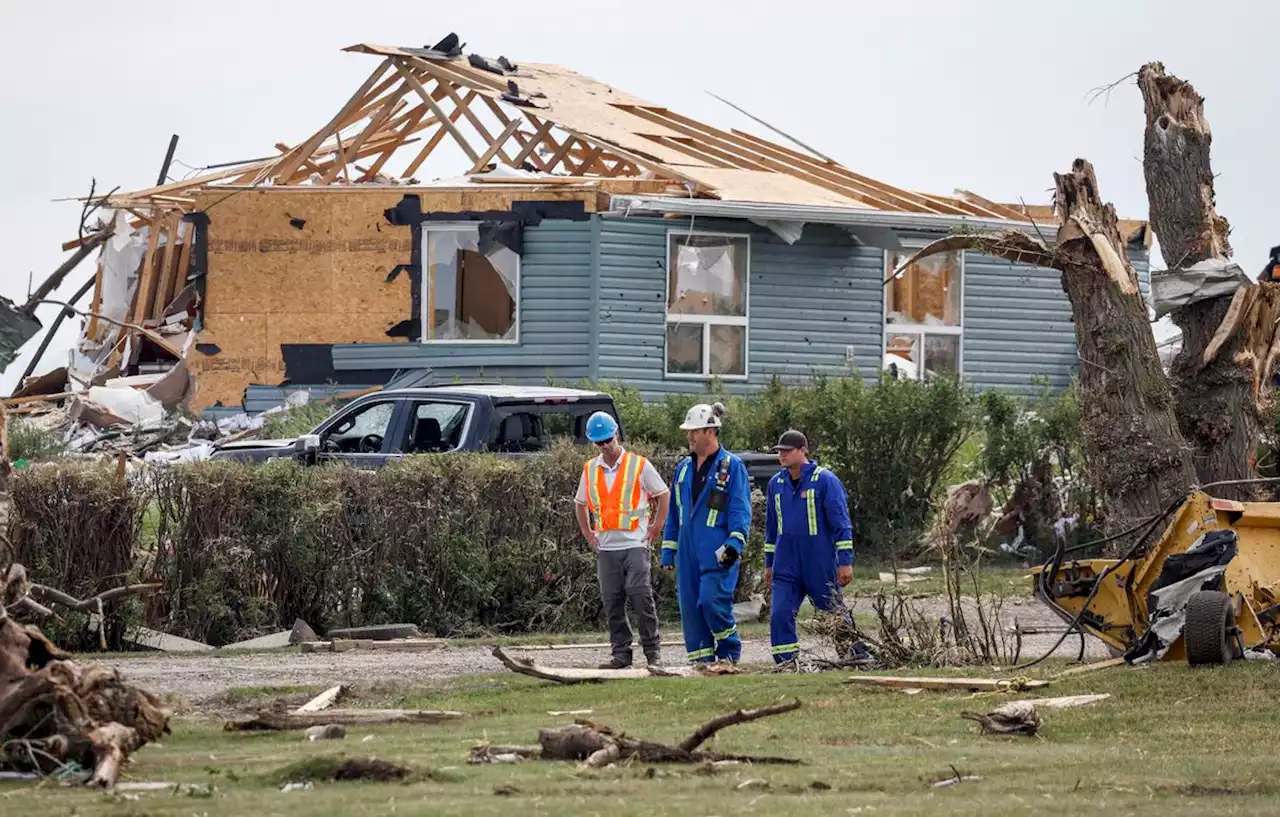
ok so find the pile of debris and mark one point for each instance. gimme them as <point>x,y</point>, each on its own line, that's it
<point>145,417</point>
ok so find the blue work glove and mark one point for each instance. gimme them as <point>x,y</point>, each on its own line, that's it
<point>726,555</point>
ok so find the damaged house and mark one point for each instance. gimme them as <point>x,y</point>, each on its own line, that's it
<point>591,234</point>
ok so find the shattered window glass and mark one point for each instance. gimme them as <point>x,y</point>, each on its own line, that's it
<point>707,304</point>
<point>468,296</point>
<point>923,315</point>
<point>927,293</point>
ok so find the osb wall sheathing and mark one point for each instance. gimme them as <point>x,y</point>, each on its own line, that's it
<point>290,265</point>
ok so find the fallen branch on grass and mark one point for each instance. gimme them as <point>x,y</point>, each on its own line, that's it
<point>575,675</point>
<point>597,746</point>
<point>1014,718</point>
<point>55,713</point>
<point>270,721</point>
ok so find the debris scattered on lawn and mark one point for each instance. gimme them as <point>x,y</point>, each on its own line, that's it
<point>573,675</point>
<point>156,640</point>
<point>331,731</point>
<point>955,779</point>
<point>1067,702</point>
<point>753,783</point>
<point>324,700</point>
<point>506,791</point>
<point>900,578</point>
<point>596,745</point>
<point>1107,664</point>
<point>562,712</point>
<point>1014,718</point>
<point>57,715</point>
<point>288,787</point>
<point>145,785</point>
<point>273,641</point>
<point>267,720</point>
<point>949,684</point>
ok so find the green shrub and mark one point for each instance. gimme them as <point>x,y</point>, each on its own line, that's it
<point>29,442</point>
<point>75,527</point>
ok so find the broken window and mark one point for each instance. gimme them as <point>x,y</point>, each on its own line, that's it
<point>467,295</point>
<point>707,311</point>
<point>436,426</point>
<point>923,314</point>
<point>362,432</point>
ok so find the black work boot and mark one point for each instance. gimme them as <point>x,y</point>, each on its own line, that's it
<point>617,662</point>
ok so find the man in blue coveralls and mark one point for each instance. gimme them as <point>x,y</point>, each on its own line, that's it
<point>705,535</point>
<point>808,547</point>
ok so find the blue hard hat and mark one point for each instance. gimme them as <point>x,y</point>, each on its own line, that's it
<point>601,426</point>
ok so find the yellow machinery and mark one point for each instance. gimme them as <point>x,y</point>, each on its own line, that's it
<point>1217,614</point>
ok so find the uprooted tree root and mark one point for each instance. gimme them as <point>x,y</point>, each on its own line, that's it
<point>597,745</point>
<point>56,714</point>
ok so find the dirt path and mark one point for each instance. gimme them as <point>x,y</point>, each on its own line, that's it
<point>201,679</point>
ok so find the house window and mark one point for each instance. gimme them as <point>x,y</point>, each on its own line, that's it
<point>468,296</point>
<point>707,305</point>
<point>923,320</point>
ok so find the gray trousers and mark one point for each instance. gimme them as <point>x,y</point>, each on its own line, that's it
<point>625,575</point>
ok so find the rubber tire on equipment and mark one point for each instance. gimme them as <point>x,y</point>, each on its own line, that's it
<point>1209,615</point>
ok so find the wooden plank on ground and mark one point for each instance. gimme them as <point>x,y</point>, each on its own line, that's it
<point>602,645</point>
<point>322,701</point>
<point>945,684</point>
<point>1107,664</point>
<point>282,721</point>
<point>1067,702</point>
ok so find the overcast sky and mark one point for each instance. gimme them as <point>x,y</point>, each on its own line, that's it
<point>931,96</point>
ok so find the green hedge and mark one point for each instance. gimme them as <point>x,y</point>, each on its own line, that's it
<point>458,544</point>
<point>467,544</point>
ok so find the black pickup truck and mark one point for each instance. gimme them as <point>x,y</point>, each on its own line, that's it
<point>508,420</point>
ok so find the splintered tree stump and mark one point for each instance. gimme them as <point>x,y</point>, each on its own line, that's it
<point>54,711</point>
<point>1126,405</point>
<point>1216,402</point>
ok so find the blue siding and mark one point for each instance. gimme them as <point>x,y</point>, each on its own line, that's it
<point>555,319</point>
<point>1018,326</point>
<point>808,302</point>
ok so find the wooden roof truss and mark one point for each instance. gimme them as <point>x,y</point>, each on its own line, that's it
<point>560,123</point>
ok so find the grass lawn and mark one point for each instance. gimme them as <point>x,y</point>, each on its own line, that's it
<point>1169,742</point>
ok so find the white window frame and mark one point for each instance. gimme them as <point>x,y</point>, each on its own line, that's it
<point>453,227</point>
<point>920,330</point>
<point>707,321</point>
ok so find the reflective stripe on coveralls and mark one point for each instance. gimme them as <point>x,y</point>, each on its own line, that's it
<point>705,588</point>
<point>812,535</point>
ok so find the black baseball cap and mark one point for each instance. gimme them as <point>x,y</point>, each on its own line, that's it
<point>791,439</point>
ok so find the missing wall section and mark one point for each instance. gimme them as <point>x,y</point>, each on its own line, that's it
<point>472,269</point>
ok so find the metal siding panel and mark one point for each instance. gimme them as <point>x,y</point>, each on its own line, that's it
<point>808,302</point>
<point>555,319</point>
<point>1017,326</point>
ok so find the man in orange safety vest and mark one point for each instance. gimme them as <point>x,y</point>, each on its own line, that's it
<point>612,504</point>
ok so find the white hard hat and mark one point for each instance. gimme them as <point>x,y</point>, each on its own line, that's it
<point>703,416</point>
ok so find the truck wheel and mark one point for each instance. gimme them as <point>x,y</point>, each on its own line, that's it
<point>1208,629</point>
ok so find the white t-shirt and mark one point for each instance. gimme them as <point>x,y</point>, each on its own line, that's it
<point>651,487</point>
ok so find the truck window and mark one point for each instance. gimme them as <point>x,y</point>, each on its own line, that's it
<point>435,426</point>
<point>537,427</point>
<point>362,431</point>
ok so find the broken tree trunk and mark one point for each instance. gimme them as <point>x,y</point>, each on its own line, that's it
<point>1139,458</point>
<point>1127,409</point>
<point>1226,360</point>
<point>55,712</point>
